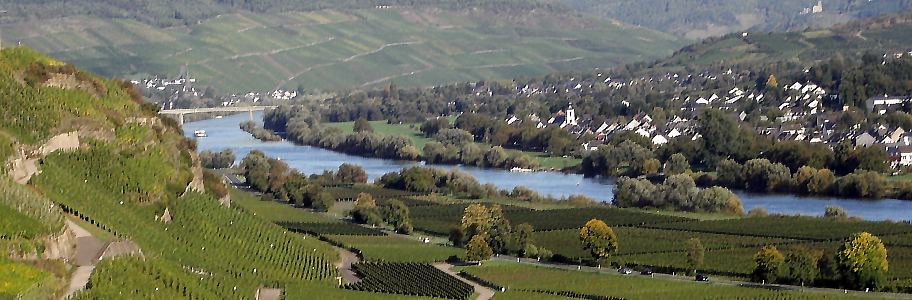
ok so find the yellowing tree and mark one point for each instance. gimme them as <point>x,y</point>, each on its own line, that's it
<point>478,249</point>
<point>769,263</point>
<point>772,81</point>
<point>599,239</point>
<point>863,261</point>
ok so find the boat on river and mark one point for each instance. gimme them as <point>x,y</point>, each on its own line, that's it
<point>199,133</point>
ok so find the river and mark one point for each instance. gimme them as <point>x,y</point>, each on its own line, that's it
<point>225,133</point>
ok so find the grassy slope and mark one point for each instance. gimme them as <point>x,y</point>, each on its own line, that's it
<point>251,52</point>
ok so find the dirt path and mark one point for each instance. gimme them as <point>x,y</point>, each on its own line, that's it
<point>484,293</point>
<point>268,294</point>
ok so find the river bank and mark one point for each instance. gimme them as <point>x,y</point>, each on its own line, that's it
<point>225,133</point>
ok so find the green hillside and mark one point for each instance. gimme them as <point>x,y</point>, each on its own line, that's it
<point>243,52</point>
<point>700,18</point>
<point>131,168</point>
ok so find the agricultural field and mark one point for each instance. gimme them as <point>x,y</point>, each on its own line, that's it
<point>334,228</point>
<point>14,224</point>
<point>326,291</point>
<point>437,219</point>
<point>527,278</point>
<point>274,211</point>
<point>419,279</point>
<point>244,52</point>
<point>397,249</point>
<point>350,193</point>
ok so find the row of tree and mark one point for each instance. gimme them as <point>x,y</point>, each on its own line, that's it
<point>394,213</point>
<point>677,192</point>
<point>276,181</point>
<point>487,232</point>
<point>217,160</point>
<point>860,263</point>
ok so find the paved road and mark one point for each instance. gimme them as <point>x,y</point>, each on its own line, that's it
<point>345,264</point>
<point>87,249</point>
<point>483,292</point>
<point>711,281</point>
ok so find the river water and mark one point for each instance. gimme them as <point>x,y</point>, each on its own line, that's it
<point>225,133</point>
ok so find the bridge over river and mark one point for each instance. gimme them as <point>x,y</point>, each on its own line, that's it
<point>182,112</point>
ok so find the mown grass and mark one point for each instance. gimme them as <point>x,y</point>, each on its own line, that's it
<point>398,249</point>
<point>516,276</point>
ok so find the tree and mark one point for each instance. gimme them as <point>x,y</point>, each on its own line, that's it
<point>396,214</point>
<point>349,173</point>
<point>801,266</point>
<point>730,173</point>
<point>599,239</point>
<point>720,136</point>
<point>771,82</point>
<point>524,236</point>
<point>676,164</point>
<point>478,249</point>
<point>457,236</point>
<point>362,125</point>
<point>366,210</point>
<point>863,262</point>
<point>694,254</point>
<point>718,199</point>
<point>769,263</point>
<point>836,212</point>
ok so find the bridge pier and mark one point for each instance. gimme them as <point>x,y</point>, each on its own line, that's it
<point>251,114</point>
<point>180,119</point>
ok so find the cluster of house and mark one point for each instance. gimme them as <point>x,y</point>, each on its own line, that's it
<point>803,101</point>
<point>182,86</point>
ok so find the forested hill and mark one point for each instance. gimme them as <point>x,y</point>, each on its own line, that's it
<point>167,13</point>
<point>702,18</point>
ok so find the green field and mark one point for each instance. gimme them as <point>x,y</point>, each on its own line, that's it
<point>514,276</point>
<point>245,52</point>
<point>397,249</point>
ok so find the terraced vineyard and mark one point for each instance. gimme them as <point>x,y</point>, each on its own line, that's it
<point>244,52</point>
<point>409,279</point>
<point>437,219</point>
<point>558,219</point>
<point>201,236</point>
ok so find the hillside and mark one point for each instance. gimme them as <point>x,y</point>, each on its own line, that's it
<point>697,19</point>
<point>91,148</point>
<point>243,51</point>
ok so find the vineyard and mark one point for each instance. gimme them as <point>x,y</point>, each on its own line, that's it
<point>14,224</point>
<point>794,227</point>
<point>160,279</point>
<point>437,219</point>
<point>416,279</point>
<point>350,193</point>
<point>397,249</point>
<point>335,228</point>
<point>25,213</point>
<point>557,219</point>
<point>201,236</point>
<point>571,282</point>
